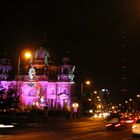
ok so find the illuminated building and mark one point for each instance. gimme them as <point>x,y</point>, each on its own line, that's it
<point>5,66</point>
<point>104,95</point>
<point>51,85</point>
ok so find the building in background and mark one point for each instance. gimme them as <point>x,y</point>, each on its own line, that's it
<point>124,69</point>
<point>104,95</point>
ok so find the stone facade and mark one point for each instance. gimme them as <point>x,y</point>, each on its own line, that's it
<point>51,85</point>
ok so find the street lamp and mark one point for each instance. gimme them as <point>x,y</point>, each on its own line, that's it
<point>126,102</point>
<point>18,68</point>
<point>87,82</point>
<point>95,92</point>
<point>27,55</point>
<point>138,95</point>
<point>82,87</point>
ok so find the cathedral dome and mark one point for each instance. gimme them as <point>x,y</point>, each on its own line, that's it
<point>41,53</point>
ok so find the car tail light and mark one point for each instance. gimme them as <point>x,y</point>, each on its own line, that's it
<point>135,118</point>
<point>108,124</point>
<point>117,125</point>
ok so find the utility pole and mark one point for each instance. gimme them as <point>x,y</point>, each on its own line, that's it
<point>81,90</point>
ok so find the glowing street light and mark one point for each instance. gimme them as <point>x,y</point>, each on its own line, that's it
<point>95,92</point>
<point>138,95</point>
<point>87,82</point>
<point>82,86</point>
<point>75,105</point>
<point>113,107</point>
<point>98,97</point>
<point>28,55</point>
<point>126,102</point>
<point>99,106</point>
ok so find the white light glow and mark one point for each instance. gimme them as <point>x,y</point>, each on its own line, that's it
<point>89,99</point>
<point>103,89</point>
<point>90,111</point>
<point>6,126</point>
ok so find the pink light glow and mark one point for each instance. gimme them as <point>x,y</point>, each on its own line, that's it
<point>41,93</point>
<point>53,92</point>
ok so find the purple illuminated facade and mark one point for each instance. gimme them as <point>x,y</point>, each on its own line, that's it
<point>43,83</point>
<point>40,93</point>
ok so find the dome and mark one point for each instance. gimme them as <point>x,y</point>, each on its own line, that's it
<point>41,53</point>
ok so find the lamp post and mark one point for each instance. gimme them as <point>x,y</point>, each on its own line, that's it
<point>17,85</point>
<point>18,68</point>
<point>27,55</point>
<point>18,72</point>
<point>81,90</point>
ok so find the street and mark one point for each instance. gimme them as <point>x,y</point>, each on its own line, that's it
<point>76,129</point>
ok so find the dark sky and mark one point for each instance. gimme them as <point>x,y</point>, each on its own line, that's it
<point>90,29</point>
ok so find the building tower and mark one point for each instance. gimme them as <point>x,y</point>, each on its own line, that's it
<point>105,101</point>
<point>66,70</point>
<point>124,72</point>
<point>5,67</point>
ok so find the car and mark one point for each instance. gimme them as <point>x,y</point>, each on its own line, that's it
<point>128,120</point>
<point>136,128</point>
<point>114,124</point>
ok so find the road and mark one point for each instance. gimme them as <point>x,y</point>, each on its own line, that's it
<point>78,129</point>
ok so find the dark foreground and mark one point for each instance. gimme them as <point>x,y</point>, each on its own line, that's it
<point>63,129</point>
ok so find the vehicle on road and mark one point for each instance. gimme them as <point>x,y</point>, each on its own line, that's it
<point>128,120</point>
<point>136,128</point>
<point>114,123</point>
<point>115,126</point>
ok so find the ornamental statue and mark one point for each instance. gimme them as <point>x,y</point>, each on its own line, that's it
<point>32,73</point>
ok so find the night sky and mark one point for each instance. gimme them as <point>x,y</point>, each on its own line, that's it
<point>90,29</point>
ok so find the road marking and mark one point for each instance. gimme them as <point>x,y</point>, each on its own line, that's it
<point>128,138</point>
<point>5,136</point>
